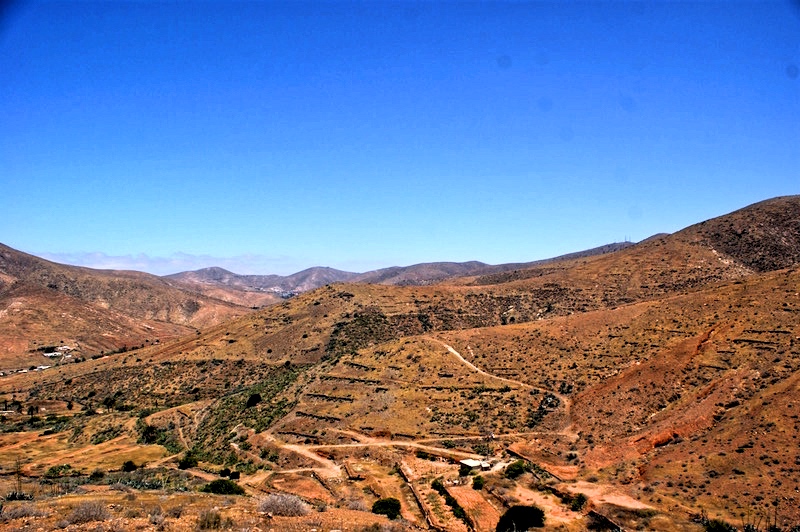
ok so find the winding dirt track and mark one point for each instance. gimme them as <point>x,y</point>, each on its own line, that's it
<point>476,369</point>
<point>561,397</point>
<point>330,469</point>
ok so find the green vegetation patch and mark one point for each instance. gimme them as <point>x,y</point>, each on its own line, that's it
<point>165,436</point>
<point>214,432</point>
<point>517,468</point>
<point>390,507</point>
<point>366,327</point>
<point>456,508</point>
<point>521,518</point>
<point>223,486</point>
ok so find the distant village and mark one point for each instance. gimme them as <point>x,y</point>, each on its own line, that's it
<point>56,354</point>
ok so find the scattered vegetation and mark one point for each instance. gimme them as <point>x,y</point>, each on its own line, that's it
<point>455,507</point>
<point>232,410</point>
<point>59,471</point>
<point>730,350</point>
<point>213,520</point>
<point>576,502</point>
<point>188,461</point>
<point>164,436</point>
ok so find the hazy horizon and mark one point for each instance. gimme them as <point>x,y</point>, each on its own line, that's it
<point>243,265</point>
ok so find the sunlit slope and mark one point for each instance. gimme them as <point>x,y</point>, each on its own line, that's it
<point>668,369</point>
<point>47,304</point>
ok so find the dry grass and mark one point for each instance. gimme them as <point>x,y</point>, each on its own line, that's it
<point>20,511</point>
<point>88,511</point>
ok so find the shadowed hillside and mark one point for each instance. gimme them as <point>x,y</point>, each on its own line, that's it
<point>762,237</point>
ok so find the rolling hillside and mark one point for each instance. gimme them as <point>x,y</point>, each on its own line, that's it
<point>47,304</point>
<point>659,381</point>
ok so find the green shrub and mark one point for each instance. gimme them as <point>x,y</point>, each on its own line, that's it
<point>390,507</point>
<point>718,525</point>
<point>478,482</point>
<point>223,486</point>
<point>422,455</point>
<point>521,518</point>
<point>483,449</point>
<point>58,471</point>
<point>129,466</point>
<point>188,461</point>
<point>578,502</point>
<point>515,469</point>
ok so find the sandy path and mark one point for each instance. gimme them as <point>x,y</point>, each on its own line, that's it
<point>561,397</point>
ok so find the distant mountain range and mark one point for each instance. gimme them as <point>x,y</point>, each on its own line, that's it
<point>417,274</point>
<point>298,282</point>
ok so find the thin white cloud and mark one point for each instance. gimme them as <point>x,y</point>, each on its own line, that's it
<point>179,262</point>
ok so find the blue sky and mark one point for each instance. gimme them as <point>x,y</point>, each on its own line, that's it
<point>268,137</point>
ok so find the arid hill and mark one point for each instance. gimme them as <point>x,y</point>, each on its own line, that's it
<point>653,388</point>
<point>44,304</point>
<point>763,237</point>
<point>303,281</point>
<point>204,280</point>
<point>437,272</point>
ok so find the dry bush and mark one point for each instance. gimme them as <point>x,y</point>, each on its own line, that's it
<point>18,512</point>
<point>283,505</point>
<point>212,520</point>
<point>209,520</point>
<point>384,527</point>
<point>155,515</point>
<point>87,512</point>
<point>358,505</point>
<point>117,525</point>
<point>132,513</point>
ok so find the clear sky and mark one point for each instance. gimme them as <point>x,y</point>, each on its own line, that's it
<point>267,137</point>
